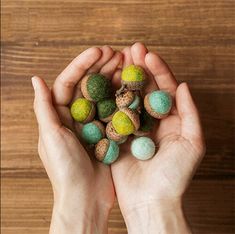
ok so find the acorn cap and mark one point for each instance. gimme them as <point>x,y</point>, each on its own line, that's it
<point>101,149</point>
<point>134,85</point>
<point>125,99</point>
<point>150,110</point>
<point>113,135</point>
<point>100,126</point>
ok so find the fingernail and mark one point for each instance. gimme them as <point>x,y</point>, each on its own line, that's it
<point>33,79</point>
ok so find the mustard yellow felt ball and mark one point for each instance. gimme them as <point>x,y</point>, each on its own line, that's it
<point>125,121</point>
<point>82,110</point>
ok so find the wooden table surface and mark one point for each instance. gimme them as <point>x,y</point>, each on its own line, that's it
<point>41,37</point>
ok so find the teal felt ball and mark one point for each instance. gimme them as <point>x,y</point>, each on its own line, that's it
<point>107,151</point>
<point>158,103</point>
<point>143,148</point>
<point>93,132</point>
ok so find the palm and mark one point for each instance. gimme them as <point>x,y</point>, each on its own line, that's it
<point>169,171</point>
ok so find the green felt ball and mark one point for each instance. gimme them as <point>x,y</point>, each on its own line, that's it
<point>112,153</point>
<point>133,73</point>
<point>106,108</point>
<point>91,133</point>
<point>160,102</point>
<point>143,148</point>
<point>80,109</point>
<point>98,87</point>
<point>146,121</point>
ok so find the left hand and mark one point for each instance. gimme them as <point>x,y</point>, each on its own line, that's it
<point>82,186</point>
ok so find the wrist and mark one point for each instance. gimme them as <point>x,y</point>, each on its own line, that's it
<point>73,214</point>
<point>158,216</point>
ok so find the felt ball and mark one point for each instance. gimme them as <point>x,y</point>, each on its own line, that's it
<point>133,77</point>
<point>158,103</point>
<point>113,135</point>
<point>95,87</point>
<point>82,110</point>
<point>93,132</point>
<point>107,151</point>
<point>106,109</point>
<point>143,148</point>
<point>125,121</point>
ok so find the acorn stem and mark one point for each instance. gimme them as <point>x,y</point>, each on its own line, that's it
<point>121,90</point>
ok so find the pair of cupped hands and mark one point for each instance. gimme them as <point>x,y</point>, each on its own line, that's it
<point>148,192</point>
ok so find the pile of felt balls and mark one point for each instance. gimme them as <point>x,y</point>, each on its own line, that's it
<point>109,119</point>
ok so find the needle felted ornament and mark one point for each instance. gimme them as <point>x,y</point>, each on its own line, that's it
<point>143,148</point>
<point>146,123</point>
<point>113,135</point>
<point>82,110</point>
<point>128,99</point>
<point>106,109</point>
<point>158,103</point>
<point>95,87</point>
<point>133,77</point>
<point>125,121</point>
<point>106,151</point>
<point>93,132</point>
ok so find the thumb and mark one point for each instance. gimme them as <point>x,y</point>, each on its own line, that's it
<point>190,121</point>
<point>45,113</point>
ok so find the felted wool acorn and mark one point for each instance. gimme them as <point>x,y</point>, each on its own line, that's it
<point>133,77</point>
<point>82,110</point>
<point>158,103</point>
<point>128,99</point>
<point>113,135</point>
<point>106,109</point>
<point>95,87</point>
<point>106,151</point>
<point>143,148</point>
<point>146,123</point>
<point>126,121</point>
<point>93,132</point>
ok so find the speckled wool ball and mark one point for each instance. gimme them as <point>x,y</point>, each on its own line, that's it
<point>158,103</point>
<point>113,135</point>
<point>143,148</point>
<point>125,121</point>
<point>93,132</point>
<point>82,110</point>
<point>107,151</point>
<point>133,77</point>
<point>95,87</point>
<point>106,109</point>
<point>128,99</point>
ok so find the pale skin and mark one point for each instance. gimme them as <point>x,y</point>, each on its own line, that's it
<point>149,192</point>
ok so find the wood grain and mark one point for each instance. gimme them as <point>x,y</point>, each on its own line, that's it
<point>27,206</point>
<point>40,37</point>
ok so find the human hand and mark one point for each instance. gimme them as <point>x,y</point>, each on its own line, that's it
<point>83,187</point>
<point>150,192</point>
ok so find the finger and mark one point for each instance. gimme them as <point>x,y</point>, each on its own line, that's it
<point>161,72</point>
<point>45,113</point>
<point>188,113</point>
<point>65,82</point>
<point>127,58</point>
<point>109,68</point>
<point>138,52</point>
<point>116,80</point>
<point>107,54</point>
